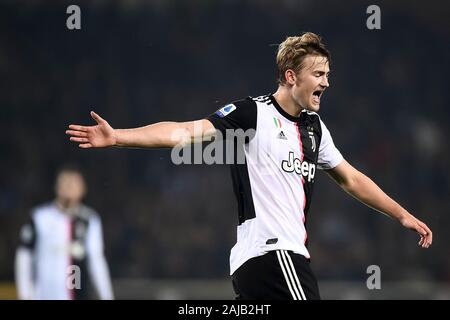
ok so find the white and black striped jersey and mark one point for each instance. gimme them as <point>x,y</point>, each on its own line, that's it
<point>275,184</point>
<point>51,244</point>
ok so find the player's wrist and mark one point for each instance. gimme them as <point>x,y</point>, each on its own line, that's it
<point>403,216</point>
<point>116,138</point>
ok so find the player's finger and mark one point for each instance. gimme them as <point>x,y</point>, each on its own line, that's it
<point>76,133</point>
<point>423,225</point>
<point>429,240</point>
<point>85,145</point>
<point>78,127</point>
<point>422,241</point>
<point>429,232</point>
<point>96,117</point>
<point>426,242</point>
<point>420,230</point>
<point>76,139</point>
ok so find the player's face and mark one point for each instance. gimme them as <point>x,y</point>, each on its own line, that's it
<point>70,188</point>
<point>311,82</point>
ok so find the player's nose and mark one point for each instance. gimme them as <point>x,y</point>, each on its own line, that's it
<point>324,83</point>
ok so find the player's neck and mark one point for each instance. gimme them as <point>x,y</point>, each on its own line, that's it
<point>286,102</point>
<point>67,207</point>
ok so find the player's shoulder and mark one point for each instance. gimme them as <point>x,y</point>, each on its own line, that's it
<point>263,99</point>
<point>88,213</point>
<point>243,108</point>
<point>312,114</point>
<point>313,121</point>
<point>311,118</point>
<point>250,103</point>
<point>247,102</point>
<point>42,209</point>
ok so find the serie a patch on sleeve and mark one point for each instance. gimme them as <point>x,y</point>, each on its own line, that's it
<point>229,108</point>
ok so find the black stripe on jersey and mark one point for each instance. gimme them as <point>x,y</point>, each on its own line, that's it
<point>310,134</point>
<point>28,235</point>
<point>243,117</point>
<point>243,192</point>
<point>242,188</point>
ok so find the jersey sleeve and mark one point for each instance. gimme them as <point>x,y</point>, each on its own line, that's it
<point>27,237</point>
<point>329,155</point>
<point>94,238</point>
<point>23,264</point>
<point>23,269</point>
<point>239,114</point>
<point>97,265</point>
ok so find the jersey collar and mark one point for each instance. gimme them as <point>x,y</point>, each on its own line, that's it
<point>284,113</point>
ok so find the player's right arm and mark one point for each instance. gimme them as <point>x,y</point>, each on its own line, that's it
<point>23,264</point>
<point>158,135</point>
<point>23,269</point>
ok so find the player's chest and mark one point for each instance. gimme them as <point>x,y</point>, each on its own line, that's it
<point>56,233</point>
<point>281,139</point>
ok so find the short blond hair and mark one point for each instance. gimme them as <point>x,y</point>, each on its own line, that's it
<point>293,51</point>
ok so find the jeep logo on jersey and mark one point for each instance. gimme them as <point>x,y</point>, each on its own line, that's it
<point>307,170</point>
<point>226,110</point>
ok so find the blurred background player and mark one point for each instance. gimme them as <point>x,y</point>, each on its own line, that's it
<point>61,234</point>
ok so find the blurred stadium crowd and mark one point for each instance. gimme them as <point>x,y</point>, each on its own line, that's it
<point>137,63</point>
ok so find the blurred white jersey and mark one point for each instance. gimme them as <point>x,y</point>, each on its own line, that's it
<point>58,253</point>
<point>275,185</point>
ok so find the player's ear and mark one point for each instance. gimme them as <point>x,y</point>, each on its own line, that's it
<point>290,77</point>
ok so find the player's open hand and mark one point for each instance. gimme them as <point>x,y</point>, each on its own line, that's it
<point>426,236</point>
<point>98,136</point>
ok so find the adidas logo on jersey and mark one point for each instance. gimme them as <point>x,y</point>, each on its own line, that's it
<point>307,170</point>
<point>281,135</point>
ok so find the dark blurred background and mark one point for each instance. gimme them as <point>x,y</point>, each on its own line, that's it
<point>140,62</point>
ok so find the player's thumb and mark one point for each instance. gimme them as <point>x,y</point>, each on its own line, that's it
<point>96,117</point>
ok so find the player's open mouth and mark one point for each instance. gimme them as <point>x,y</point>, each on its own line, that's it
<point>316,96</point>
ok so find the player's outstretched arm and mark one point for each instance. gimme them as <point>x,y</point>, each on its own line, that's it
<point>158,135</point>
<point>365,190</point>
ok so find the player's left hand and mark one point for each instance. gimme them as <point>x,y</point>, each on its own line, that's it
<point>411,222</point>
